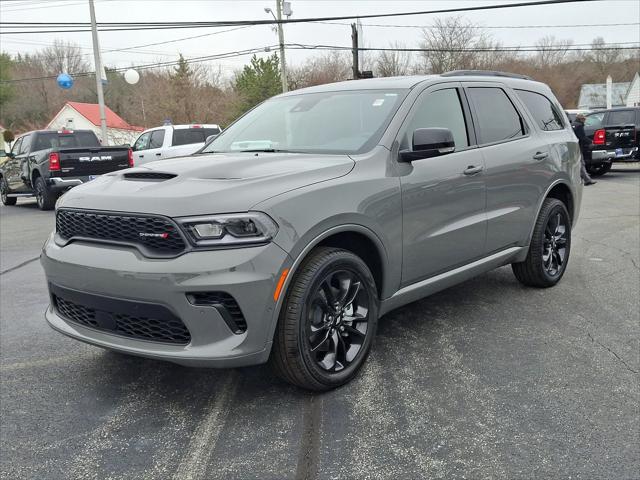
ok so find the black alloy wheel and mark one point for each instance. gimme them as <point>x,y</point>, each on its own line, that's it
<point>45,199</point>
<point>337,320</point>
<point>549,249</point>
<point>555,245</point>
<point>327,321</point>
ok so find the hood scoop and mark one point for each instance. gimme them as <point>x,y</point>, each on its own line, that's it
<point>150,176</point>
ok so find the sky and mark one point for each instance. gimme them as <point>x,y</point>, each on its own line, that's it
<point>554,18</point>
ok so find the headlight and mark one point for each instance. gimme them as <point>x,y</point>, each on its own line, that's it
<point>249,228</point>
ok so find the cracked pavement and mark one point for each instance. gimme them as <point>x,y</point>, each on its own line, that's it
<point>487,379</point>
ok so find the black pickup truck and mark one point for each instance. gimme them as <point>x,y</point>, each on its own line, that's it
<point>615,137</point>
<point>45,163</point>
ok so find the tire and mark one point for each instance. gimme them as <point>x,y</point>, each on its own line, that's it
<point>45,198</point>
<point>320,341</point>
<point>550,247</point>
<point>4,189</point>
<point>599,170</point>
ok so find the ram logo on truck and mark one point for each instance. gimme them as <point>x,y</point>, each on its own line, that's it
<point>622,134</point>
<point>101,158</point>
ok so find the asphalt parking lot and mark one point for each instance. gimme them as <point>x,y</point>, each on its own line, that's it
<point>487,379</point>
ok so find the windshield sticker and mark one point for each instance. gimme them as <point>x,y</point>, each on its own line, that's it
<point>378,101</point>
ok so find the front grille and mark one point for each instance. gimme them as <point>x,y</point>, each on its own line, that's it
<point>149,176</point>
<point>225,304</point>
<point>160,325</point>
<point>155,235</point>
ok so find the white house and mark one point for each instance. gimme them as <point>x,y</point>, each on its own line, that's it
<point>624,94</point>
<point>3,145</point>
<point>633,95</point>
<point>86,116</point>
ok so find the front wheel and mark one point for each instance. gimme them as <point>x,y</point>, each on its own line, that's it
<point>4,193</point>
<point>327,322</point>
<point>549,250</point>
<point>45,198</point>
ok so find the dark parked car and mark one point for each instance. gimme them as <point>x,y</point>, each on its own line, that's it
<point>615,136</point>
<point>45,163</point>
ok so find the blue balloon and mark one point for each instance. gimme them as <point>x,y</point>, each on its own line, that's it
<point>65,81</point>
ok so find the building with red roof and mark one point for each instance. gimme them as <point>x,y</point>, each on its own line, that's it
<point>86,116</point>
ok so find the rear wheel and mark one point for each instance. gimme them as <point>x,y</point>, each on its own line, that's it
<point>4,192</point>
<point>550,246</point>
<point>45,198</point>
<point>599,170</point>
<point>327,322</point>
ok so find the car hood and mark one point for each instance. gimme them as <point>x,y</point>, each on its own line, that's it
<point>206,184</point>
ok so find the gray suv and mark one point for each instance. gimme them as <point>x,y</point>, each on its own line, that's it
<point>311,216</point>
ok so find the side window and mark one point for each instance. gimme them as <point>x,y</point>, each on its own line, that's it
<point>594,120</point>
<point>143,142</point>
<point>24,147</point>
<point>157,139</point>
<point>622,117</point>
<point>16,146</point>
<point>440,109</point>
<point>542,110</point>
<point>498,119</point>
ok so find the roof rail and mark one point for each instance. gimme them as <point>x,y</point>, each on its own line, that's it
<point>484,73</point>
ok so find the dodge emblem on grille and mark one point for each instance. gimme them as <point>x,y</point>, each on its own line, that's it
<point>154,235</point>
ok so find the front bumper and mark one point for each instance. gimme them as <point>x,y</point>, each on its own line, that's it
<point>248,274</point>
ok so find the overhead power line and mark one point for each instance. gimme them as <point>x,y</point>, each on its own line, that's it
<point>298,46</point>
<point>118,26</point>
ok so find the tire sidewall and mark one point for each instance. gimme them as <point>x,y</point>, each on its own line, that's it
<point>558,207</point>
<point>342,261</point>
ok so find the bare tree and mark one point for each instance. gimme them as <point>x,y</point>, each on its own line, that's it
<point>63,57</point>
<point>393,63</point>
<point>552,51</point>
<point>454,43</point>
<point>333,66</point>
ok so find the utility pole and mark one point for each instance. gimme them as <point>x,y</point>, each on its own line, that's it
<point>354,51</point>
<point>283,63</point>
<point>98,64</point>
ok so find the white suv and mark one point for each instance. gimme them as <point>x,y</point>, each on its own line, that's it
<point>171,141</point>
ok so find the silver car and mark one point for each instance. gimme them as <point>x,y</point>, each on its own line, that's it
<point>313,215</point>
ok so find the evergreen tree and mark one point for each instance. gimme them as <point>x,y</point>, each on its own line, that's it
<point>257,82</point>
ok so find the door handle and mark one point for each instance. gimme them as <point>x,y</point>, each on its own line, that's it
<point>540,155</point>
<point>158,154</point>
<point>472,170</point>
<point>141,156</point>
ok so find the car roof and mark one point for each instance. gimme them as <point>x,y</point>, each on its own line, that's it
<point>410,81</point>
<point>614,109</point>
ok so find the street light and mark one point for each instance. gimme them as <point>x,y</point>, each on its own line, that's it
<point>278,18</point>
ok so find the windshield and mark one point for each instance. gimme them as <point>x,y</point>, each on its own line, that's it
<point>328,122</point>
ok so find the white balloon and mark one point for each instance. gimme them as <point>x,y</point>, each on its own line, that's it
<point>131,76</point>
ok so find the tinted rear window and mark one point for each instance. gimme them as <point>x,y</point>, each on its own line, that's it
<point>498,118</point>
<point>46,140</point>
<point>185,136</point>
<point>622,117</point>
<point>542,110</point>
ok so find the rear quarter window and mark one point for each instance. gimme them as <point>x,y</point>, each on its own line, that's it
<point>47,140</point>
<point>622,117</point>
<point>186,136</point>
<point>498,119</point>
<point>542,110</point>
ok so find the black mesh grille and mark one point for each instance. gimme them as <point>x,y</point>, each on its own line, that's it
<point>149,176</point>
<point>166,330</point>
<point>156,235</point>
<point>225,304</point>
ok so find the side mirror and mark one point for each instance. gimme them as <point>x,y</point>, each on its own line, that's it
<point>210,138</point>
<point>429,142</point>
<point>11,155</point>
